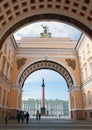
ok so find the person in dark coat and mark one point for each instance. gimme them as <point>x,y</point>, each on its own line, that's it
<point>22,117</point>
<point>27,117</point>
<point>18,116</point>
<point>39,116</point>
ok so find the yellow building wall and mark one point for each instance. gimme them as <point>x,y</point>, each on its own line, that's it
<point>75,73</point>
<point>85,57</point>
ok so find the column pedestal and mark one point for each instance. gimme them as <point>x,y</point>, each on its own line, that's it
<point>42,111</point>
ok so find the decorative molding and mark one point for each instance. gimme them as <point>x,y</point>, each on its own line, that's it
<point>71,63</point>
<point>17,87</point>
<point>75,88</point>
<point>76,109</point>
<point>88,108</point>
<point>20,62</point>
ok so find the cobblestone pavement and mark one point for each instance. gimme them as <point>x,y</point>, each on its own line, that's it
<point>49,124</point>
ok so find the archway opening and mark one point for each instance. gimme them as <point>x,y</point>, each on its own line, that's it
<point>55,95</point>
<point>56,28</point>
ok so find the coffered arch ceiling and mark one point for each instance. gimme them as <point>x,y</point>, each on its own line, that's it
<point>45,64</point>
<point>17,13</point>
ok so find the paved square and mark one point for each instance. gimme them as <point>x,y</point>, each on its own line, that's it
<point>48,124</point>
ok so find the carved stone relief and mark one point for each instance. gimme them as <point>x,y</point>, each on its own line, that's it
<point>20,62</point>
<point>71,63</point>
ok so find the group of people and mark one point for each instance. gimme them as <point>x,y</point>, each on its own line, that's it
<point>21,116</point>
<point>38,116</point>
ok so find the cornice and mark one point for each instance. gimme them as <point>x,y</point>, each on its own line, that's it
<point>46,51</point>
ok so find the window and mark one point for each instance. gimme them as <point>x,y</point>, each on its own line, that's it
<point>9,54</point>
<point>90,68</point>
<point>88,50</point>
<point>7,69</point>
<point>85,71</point>
<point>83,54</point>
<point>5,48</point>
<point>90,114</point>
<point>3,64</point>
<point>10,73</point>
<point>89,97</point>
<point>4,96</point>
<point>72,102</point>
<point>82,76</point>
<point>84,98</point>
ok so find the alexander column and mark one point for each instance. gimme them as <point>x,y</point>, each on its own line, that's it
<point>43,99</point>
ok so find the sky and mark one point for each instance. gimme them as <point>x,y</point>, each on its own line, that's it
<point>55,85</point>
<point>57,29</point>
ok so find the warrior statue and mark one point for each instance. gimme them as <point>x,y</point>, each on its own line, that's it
<point>45,33</point>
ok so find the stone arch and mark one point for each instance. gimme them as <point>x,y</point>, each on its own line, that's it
<point>15,14</point>
<point>46,64</point>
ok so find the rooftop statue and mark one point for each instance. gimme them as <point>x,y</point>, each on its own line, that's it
<point>45,33</point>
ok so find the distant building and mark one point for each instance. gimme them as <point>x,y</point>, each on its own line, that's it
<point>53,107</point>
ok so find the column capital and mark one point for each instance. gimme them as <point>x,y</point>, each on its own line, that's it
<point>75,88</point>
<point>16,86</point>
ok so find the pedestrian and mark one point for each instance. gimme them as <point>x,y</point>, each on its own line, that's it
<point>39,116</point>
<point>22,117</point>
<point>18,116</point>
<point>6,118</point>
<point>27,117</point>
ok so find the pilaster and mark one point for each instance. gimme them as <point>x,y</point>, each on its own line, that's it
<point>15,100</point>
<point>76,103</point>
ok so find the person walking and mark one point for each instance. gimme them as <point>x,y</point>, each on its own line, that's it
<point>27,117</point>
<point>22,117</point>
<point>18,116</point>
<point>39,116</point>
<point>6,118</point>
<point>37,113</point>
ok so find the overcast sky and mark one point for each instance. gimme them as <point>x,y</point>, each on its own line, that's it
<point>55,85</point>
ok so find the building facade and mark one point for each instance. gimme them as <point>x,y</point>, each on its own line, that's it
<point>73,61</point>
<point>53,107</point>
<point>15,14</point>
<point>84,48</point>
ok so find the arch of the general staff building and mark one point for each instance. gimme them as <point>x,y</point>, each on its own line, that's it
<point>46,64</point>
<point>16,13</point>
